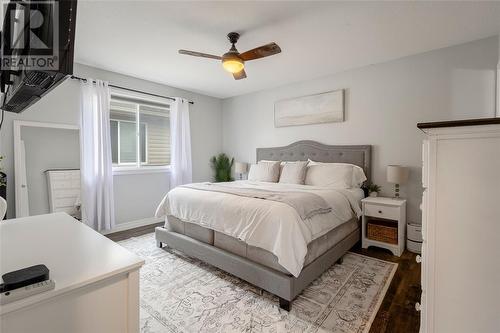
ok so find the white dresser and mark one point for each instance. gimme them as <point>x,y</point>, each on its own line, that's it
<point>461,227</point>
<point>63,187</point>
<point>96,280</point>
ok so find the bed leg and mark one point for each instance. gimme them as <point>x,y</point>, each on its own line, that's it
<point>284,304</point>
<point>340,260</point>
<point>159,244</point>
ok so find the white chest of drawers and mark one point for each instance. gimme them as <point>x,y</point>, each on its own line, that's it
<point>96,280</point>
<point>461,227</point>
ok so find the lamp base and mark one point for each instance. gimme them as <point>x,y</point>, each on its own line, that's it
<point>396,191</point>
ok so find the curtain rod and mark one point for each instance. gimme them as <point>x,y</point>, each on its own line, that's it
<point>129,89</point>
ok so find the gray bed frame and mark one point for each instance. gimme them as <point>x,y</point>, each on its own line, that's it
<point>285,286</point>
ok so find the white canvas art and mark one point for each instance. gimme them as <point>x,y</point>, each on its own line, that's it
<point>314,109</point>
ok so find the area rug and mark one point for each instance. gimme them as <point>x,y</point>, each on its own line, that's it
<point>182,294</point>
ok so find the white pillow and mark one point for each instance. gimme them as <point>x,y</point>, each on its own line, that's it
<point>264,172</point>
<point>358,174</point>
<point>266,161</point>
<point>293,172</point>
<point>332,175</point>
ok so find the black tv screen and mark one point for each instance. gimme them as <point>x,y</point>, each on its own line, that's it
<point>37,50</point>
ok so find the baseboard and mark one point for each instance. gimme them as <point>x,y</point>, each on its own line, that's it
<point>132,224</point>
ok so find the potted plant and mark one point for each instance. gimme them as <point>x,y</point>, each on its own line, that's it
<point>3,182</point>
<point>222,164</point>
<point>373,189</point>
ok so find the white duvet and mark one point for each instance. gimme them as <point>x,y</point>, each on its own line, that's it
<point>270,225</point>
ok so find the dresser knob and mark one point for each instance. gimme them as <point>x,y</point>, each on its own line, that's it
<point>418,259</point>
<point>380,212</point>
<point>418,307</point>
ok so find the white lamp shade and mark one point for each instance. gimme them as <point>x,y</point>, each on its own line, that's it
<point>240,167</point>
<point>397,174</point>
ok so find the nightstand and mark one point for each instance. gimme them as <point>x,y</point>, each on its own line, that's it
<point>386,218</point>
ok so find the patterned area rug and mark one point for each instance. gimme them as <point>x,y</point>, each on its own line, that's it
<point>182,294</point>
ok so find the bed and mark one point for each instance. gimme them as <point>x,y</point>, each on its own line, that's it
<point>289,262</point>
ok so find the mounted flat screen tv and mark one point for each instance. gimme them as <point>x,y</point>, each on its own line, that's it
<point>37,50</point>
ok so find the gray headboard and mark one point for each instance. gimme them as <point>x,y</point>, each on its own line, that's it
<point>303,150</point>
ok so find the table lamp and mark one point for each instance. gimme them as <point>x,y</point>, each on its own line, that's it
<point>240,168</point>
<point>397,175</point>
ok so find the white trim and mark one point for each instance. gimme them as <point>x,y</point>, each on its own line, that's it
<point>462,131</point>
<point>137,137</point>
<point>146,145</point>
<point>124,170</point>
<point>17,151</point>
<point>132,224</point>
<point>139,96</point>
<point>45,125</point>
<point>498,90</point>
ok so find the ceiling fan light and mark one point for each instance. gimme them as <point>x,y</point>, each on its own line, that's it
<point>233,65</point>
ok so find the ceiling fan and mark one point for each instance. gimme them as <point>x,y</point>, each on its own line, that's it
<point>233,61</point>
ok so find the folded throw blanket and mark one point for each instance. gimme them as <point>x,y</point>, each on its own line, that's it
<point>305,204</point>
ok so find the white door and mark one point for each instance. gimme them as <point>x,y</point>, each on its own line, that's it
<point>24,207</point>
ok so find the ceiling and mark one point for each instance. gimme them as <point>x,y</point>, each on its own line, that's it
<point>141,38</point>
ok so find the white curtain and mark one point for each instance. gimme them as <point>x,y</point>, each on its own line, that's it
<point>95,156</point>
<point>181,171</point>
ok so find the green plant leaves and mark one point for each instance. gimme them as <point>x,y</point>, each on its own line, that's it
<point>222,164</point>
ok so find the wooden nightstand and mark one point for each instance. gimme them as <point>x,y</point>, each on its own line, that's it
<point>387,212</point>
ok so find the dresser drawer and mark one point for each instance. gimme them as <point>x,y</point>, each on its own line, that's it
<point>385,212</point>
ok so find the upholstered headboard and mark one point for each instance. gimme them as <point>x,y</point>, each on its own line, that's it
<point>303,150</point>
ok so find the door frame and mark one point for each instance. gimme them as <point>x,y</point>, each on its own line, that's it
<point>18,164</point>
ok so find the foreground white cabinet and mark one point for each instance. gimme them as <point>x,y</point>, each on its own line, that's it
<point>461,227</point>
<point>96,280</point>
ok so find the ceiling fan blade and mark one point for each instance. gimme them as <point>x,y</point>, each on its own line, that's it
<point>199,54</point>
<point>240,75</point>
<point>261,52</point>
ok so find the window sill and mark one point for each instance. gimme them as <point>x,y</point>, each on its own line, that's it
<point>119,171</point>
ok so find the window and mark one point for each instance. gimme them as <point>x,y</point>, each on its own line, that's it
<point>140,133</point>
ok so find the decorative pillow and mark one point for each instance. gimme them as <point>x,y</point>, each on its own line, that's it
<point>293,172</point>
<point>267,161</point>
<point>358,174</point>
<point>333,175</point>
<point>265,172</point>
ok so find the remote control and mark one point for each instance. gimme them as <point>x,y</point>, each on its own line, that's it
<point>20,293</point>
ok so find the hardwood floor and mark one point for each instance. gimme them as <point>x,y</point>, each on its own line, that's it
<point>121,235</point>
<point>397,312</point>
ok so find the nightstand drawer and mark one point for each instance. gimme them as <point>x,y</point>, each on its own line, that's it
<point>385,212</point>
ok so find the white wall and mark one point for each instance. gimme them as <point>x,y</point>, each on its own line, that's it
<point>384,103</point>
<point>136,196</point>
